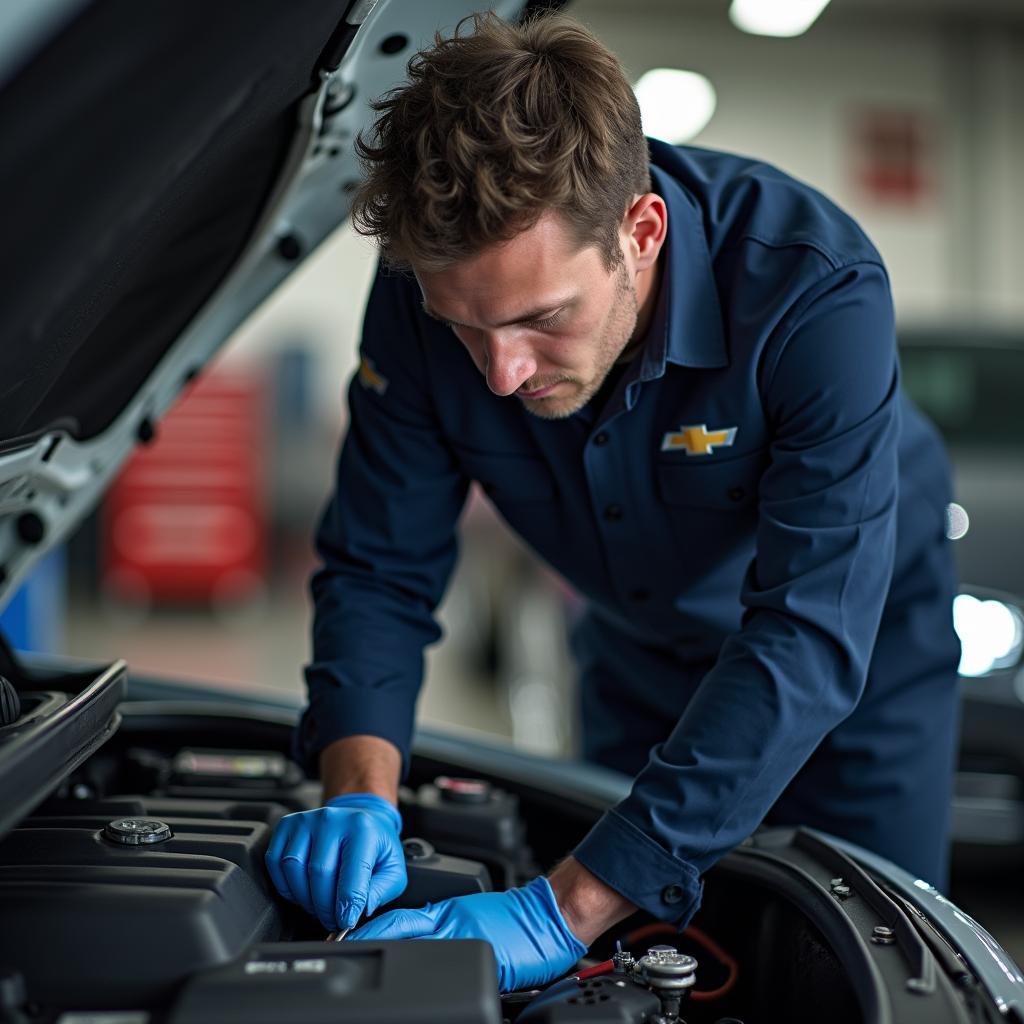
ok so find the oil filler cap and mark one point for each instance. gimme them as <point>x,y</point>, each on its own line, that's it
<point>137,831</point>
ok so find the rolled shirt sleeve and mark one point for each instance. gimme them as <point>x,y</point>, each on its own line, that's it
<point>386,541</point>
<point>812,602</point>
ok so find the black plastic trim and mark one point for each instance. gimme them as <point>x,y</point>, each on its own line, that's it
<point>913,947</point>
<point>36,758</point>
<point>801,889</point>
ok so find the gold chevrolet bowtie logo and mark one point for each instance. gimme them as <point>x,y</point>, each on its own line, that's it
<point>698,440</point>
<point>370,378</point>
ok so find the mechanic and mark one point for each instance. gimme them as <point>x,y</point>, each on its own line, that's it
<point>674,372</point>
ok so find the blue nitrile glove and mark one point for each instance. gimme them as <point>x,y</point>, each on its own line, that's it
<point>531,940</point>
<point>341,859</point>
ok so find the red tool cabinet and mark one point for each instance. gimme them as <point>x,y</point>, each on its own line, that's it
<point>187,519</point>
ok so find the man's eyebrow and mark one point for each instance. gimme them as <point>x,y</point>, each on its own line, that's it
<point>533,315</point>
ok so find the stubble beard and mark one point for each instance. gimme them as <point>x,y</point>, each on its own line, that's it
<point>618,330</point>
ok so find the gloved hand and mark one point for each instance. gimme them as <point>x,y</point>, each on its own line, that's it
<point>531,940</point>
<point>339,859</point>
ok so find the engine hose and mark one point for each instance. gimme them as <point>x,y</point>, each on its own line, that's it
<point>593,972</point>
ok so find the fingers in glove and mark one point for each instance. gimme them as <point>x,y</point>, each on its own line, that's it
<point>389,879</point>
<point>397,924</point>
<point>322,871</point>
<point>294,864</point>
<point>278,842</point>
<point>358,859</point>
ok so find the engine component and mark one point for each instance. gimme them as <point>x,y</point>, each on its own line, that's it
<point>435,876</point>
<point>137,831</point>
<point>348,983</point>
<point>464,810</point>
<point>208,773</point>
<point>471,818</point>
<point>252,769</point>
<point>610,999</point>
<point>622,960</point>
<point>670,975</point>
<point>649,990</point>
<point>87,899</point>
<point>10,703</point>
<point>463,791</point>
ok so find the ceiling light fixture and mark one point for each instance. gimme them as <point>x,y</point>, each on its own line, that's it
<point>674,105</point>
<point>775,17</point>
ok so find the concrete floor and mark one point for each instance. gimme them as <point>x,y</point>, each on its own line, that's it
<point>263,646</point>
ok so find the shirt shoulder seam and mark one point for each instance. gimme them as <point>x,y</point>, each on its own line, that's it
<point>834,260</point>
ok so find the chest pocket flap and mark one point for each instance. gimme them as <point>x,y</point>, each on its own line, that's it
<point>715,483</point>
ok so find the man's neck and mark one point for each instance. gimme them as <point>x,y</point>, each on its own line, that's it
<point>647,289</point>
<point>647,285</point>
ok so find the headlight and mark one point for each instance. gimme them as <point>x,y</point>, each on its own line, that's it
<point>991,634</point>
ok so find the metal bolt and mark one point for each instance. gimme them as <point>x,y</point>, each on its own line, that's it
<point>883,936</point>
<point>622,959</point>
<point>840,889</point>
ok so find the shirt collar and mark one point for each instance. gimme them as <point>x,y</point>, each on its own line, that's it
<point>686,328</point>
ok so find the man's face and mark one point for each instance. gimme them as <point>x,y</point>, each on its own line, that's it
<point>542,319</point>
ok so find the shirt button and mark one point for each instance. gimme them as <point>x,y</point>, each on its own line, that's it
<point>613,513</point>
<point>601,438</point>
<point>736,493</point>
<point>672,894</point>
<point>640,595</point>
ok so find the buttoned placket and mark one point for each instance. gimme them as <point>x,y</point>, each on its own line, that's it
<point>618,518</point>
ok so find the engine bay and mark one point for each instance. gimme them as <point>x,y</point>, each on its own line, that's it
<point>135,892</point>
<point>139,885</point>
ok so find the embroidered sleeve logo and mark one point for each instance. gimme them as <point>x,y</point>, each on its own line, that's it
<point>370,378</point>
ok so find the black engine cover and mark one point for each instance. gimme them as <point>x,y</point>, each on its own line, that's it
<point>349,983</point>
<point>94,924</point>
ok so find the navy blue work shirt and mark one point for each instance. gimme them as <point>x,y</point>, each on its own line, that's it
<point>741,475</point>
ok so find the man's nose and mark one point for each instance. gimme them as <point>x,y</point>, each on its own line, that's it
<point>508,364</point>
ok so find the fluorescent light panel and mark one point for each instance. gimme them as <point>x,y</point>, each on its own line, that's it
<point>775,17</point>
<point>674,105</point>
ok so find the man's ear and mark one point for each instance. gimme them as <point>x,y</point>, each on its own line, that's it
<point>645,227</point>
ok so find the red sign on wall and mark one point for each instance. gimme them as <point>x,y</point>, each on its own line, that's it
<point>893,155</point>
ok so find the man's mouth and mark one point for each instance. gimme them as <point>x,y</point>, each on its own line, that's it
<point>539,392</point>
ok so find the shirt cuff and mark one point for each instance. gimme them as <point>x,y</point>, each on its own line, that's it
<point>636,867</point>
<point>335,712</point>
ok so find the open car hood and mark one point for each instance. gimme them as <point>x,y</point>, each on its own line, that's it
<point>165,167</point>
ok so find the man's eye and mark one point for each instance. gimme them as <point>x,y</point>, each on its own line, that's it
<point>548,322</point>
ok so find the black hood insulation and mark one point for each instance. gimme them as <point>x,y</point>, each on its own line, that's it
<point>139,148</point>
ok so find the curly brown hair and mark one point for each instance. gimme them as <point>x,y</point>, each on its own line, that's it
<point>494,128</point>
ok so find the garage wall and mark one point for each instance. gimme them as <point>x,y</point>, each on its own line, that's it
<point>997,66</point>
<point>792,101</point>
<point>957,253</point>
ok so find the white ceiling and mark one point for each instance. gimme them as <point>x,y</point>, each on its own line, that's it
<point>1009,12</point>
